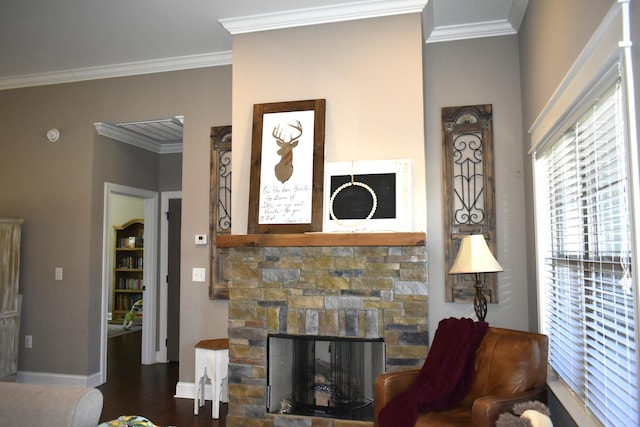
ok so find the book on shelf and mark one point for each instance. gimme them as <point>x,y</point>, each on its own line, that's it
<point>128,261</point>
<point>130,283</point>
<point>130,242</point>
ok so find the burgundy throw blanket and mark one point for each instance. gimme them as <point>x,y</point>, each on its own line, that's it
<point>446,376</point>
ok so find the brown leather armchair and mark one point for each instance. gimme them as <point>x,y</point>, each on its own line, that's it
<point>510,367</point>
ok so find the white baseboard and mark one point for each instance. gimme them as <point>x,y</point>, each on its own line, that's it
<point>161,356</point>
<point>94,380</point>
<point>58,379</point>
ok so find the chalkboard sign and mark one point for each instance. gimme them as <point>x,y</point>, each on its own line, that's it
<point>356,200</point>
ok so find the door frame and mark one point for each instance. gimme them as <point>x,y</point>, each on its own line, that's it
<point>148,354</point>
<point>163,287</point>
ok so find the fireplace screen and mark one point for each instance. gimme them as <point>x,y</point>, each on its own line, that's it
<point>323,376</point>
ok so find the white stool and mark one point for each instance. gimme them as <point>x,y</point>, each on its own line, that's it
<point>212,360</point>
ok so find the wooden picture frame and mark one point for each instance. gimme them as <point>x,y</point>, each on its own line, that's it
<point>287,167</point>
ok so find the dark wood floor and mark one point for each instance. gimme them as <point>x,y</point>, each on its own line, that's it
<point>147,390</point>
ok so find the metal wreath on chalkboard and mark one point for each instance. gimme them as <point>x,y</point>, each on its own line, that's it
<point>351,183</point>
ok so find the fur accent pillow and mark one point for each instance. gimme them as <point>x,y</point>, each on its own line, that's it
<point>526,414</point>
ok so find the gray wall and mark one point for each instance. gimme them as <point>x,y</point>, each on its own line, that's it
<point>552,36</point>
<point>57,188</point>
<point>470,72</point>
<point>170,178</point>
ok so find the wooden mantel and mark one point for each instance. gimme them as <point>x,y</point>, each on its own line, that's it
<point>321,239</point>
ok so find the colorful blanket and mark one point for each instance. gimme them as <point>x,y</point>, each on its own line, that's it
<point>446,376</point>
<point>129,421</point>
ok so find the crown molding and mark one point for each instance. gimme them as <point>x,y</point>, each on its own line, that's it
<point>500,27</point>
<point>321,15</point>
<point>118,70</point>
<point>140,141</point>
<point>471,31</point>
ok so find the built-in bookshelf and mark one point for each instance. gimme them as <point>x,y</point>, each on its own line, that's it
<point>128,268</point>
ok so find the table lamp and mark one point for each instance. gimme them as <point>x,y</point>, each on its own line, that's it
<point>474,256</point>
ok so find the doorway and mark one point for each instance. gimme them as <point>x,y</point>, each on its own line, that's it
<point>173,281</point>
<point>169,286</point>
<point>149,200</point>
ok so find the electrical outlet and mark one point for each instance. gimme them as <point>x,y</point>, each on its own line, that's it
<point>28,341</point>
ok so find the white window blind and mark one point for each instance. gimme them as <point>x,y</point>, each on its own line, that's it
<point>584,235</point>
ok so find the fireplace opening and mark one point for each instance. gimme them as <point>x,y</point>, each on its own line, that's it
<point>323,376</point>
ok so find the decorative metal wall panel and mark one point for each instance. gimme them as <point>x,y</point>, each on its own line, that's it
<point>469,199</point>
<point>220,212</point>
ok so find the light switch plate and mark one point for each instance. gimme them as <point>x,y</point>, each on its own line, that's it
<point>198,274</point>
<point>58,273</point>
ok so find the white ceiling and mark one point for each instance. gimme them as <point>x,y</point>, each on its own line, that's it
<point>59,41</point>
<point>162,136</point>
<point>54,41</point>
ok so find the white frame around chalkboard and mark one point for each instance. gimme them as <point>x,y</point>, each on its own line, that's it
<point>360,169</point>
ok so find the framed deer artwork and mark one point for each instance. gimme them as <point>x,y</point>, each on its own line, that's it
<point>287,167</point>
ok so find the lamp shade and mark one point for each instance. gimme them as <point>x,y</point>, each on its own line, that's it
<point>474,256</point>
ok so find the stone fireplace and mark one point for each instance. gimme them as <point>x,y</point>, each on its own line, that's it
<point>370,286</point>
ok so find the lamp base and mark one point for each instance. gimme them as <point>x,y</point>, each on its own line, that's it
<point>479,301</point>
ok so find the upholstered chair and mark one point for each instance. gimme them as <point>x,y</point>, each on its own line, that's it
<point>510,367</point>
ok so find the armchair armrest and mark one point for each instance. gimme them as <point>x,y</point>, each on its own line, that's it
<point>389,385</point>
<point>487,409</point>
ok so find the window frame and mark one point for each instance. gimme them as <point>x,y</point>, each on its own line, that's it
<point>584,256</point>
<point>603,56</point>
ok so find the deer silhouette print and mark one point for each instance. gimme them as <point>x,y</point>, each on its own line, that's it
<point>284,168</point>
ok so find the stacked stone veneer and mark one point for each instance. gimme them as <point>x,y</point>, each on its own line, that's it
<point>331,291</point>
